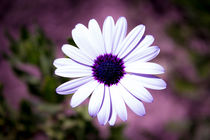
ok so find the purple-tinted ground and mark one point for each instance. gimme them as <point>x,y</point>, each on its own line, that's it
<point>58,18</point>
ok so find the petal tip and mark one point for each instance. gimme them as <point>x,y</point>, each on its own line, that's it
<point>65,47</point>
<point>54,63</point>
<point>144,114</point>
<point>111,123</point>
<point>92,22</point>
<point>122,18</point>
<point>56,72</point>
<point>73,104</point>
<point>92,114</point>
<point>164,84</point>
<point>61,92</point>
<point>141,27</point>
<point>102,124</point>
<point>58,90</point>
<point>125,119</point>
<point>109,17</point>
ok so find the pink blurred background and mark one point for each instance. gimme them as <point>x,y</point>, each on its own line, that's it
<point>58,18</point>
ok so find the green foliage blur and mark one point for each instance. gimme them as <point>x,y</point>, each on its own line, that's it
<point>45,114</point>
<point>194,24</point>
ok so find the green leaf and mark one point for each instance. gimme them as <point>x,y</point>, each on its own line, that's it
<point>117,132</point>
<point>71,42</point>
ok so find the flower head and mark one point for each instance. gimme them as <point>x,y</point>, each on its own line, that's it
<point>110,67</point>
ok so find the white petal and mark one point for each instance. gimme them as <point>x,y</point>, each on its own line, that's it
<point>108,33</point>
<point>104,113</point>
<point>81,36</point>
<point>120,33</point>
<point>72,86</point>
<point>96,34</point>
<point>144,68</point>
<point>144,55</point>
<point>76,55</point>
<point>83,92</point>
<point>133,103</point>
<point>62,62</point>
<point>136,89</point>
<point>113,117</point>
<point>150,81</point>
<point>145,43</point>
<point>73,71</point>
<point>118,102</point>
<point>96,100</point>
<point>131,41</point>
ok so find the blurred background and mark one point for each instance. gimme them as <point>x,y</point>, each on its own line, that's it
<point>32,33</point>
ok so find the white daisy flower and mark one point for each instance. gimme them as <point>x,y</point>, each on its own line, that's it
<point>111,68</point>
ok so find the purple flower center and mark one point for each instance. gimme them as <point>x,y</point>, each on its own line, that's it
<point>108,69</point>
